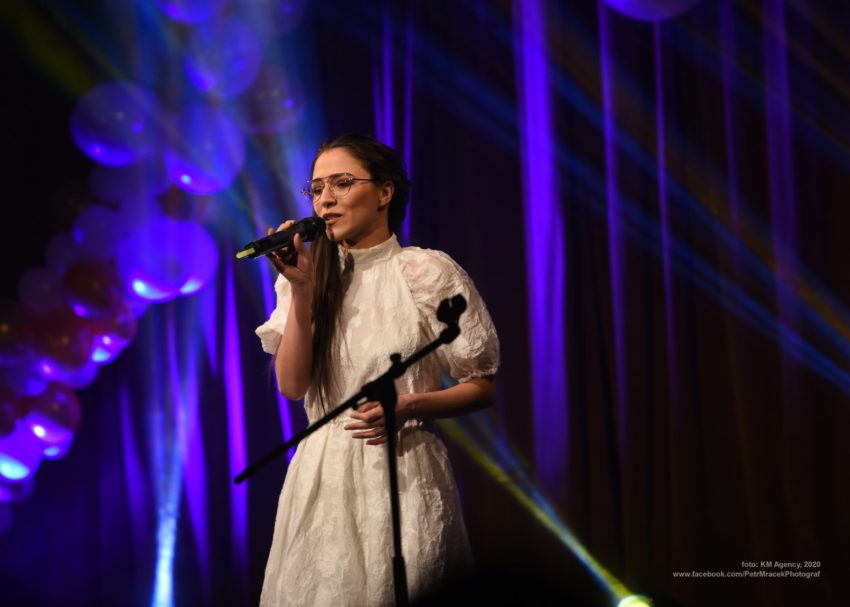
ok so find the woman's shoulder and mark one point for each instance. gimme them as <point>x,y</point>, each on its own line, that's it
<point>427,259</point>
<point>430,272</point>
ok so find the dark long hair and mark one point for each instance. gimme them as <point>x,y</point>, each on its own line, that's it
<point>383,164</point>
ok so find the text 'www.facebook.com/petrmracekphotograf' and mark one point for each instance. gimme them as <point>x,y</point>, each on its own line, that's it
<point>759,570</point>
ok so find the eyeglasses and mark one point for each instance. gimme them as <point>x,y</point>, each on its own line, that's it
<point>339,183</point>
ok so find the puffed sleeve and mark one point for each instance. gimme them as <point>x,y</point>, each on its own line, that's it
<point>271,331</point>
<point>434,276</point>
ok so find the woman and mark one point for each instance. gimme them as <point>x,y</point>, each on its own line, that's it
<point>342,308</point>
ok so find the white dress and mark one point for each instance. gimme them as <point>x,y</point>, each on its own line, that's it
<point>332,541</point>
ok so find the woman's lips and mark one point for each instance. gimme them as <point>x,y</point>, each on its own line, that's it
<point>331,218</point>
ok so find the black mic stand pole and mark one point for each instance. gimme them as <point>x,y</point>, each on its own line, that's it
<point>382,389</point>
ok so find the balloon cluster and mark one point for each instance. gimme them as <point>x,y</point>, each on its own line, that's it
<point>80,309</point>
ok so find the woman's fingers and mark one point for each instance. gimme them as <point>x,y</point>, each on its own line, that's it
<point>369,423</point>
<point>276,261</point>
<point>368,415</point>
<point>369,434</point>
<point>370,409</point>
<point>291,257</point>
<point>298,244</point>
<point>362,425</point>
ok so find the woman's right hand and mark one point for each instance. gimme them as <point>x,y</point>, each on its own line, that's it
<point>294,262</point>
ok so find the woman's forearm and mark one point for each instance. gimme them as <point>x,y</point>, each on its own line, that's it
<point>293,360</point>
<point>460,399</point>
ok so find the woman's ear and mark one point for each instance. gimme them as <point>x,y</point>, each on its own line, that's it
<point>386,194</point>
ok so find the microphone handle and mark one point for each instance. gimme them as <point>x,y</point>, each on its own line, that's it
<point>308,228</point>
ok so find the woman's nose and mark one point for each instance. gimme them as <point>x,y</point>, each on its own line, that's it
<point>326,199</point>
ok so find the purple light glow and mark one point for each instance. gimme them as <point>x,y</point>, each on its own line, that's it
<point>205,150</point>
<point>382,82</point>
<point>779,140</point>
<point>545,252</point>
<point>191,11</point>
<point>387,71</point>
<point>223,56</point>
<point>235,424</point>
<point>727,52</point>
<point>382,92</point>
<point>138,495</point>
<point>664,217</point>
<point>194,469</point>
<point>782,180</point>
<point>615,233</point>
<point>408,115</point>
<point>269,305</point>
<point>652,10</point>
<point>273,103</point>
<point>208,301</point>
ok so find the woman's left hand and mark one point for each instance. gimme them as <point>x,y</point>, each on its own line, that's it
<point>369,421</point>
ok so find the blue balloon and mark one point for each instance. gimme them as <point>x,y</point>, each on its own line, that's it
<point>166,259</point>
<point>40,290</point>
<point>223,57</point>
<point>143,179</point>
<point>63,251</point>
<point>652,10</point>
<point>191,11</point>
<point>58,449</point>
<point>23,377</point>
<point>20,454</point>
<point>12,492</point>
<point>137,212</point>
<point>149,263</point>
<point>206,150</point>
<point>55,415</point>
<point>273,103</point>
<point>83,377</point>
<point>272,18</point>
<point>201,253</point>
<point>97,231</point>
<point>116,123</point>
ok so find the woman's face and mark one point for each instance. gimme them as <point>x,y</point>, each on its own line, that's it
<point>357,218</point>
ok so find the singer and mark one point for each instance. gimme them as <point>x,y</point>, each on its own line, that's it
<point>343,306</point>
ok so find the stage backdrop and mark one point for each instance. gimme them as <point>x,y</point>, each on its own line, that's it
<point>650,197</point>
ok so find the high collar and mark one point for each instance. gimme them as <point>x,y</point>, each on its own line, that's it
<point>364,258</point>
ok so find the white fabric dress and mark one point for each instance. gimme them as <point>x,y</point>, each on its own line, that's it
<point>332,541</point>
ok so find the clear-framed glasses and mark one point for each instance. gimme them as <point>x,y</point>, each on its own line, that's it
<point>339,183</point>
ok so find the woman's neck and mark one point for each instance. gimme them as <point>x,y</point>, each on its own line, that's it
<point>367,242</point>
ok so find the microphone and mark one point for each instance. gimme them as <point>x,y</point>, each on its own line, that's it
<point>308,228</point>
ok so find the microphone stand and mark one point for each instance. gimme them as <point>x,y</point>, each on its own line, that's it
<point>382,389</point>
